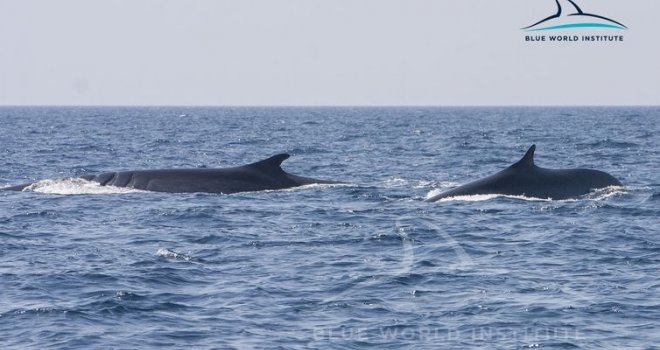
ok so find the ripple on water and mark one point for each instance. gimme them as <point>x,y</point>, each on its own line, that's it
<point>368,264</point>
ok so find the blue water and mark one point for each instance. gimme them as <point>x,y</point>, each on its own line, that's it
<point>363,265</point>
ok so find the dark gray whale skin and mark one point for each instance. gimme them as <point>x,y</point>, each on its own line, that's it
<point>524,178</point>
<point>263,175</point>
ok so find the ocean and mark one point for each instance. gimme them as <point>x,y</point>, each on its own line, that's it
<point>364,264</point>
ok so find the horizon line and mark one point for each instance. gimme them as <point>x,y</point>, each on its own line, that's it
<point>325,106</point>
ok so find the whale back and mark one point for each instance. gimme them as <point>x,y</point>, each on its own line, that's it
<point>266,174</point>
<point>525,178</point>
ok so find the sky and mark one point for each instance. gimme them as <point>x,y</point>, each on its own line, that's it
<point>320,52</point>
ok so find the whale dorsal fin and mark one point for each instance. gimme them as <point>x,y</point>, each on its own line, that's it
<point>273,162</point>
<point>528,159</point>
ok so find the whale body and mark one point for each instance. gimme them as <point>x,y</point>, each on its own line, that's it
<point>263,175</point>
<point>524,178</point>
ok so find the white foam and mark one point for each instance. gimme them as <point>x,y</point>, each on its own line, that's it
<point>596,195</point>
<point>423,184</point>
<point>167,253</point>
<point>395,182</point>
<point>434,192</point>
<point>309,186</point>
<point>75,186</point>
<point>81,186</point>
<point>398,182</point>
<point>605,193</point>
<point>485,197</point>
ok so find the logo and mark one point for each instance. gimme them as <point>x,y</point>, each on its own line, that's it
<point>570,15</point>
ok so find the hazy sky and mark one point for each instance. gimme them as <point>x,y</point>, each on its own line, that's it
<point>319,52</point>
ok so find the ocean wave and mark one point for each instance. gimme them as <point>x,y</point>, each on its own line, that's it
<point>399,182</point>
<point>319,266</point>
<point>170,254</point>
<point>608,143</point>
<point>596,195</point>
<point>75,186</point>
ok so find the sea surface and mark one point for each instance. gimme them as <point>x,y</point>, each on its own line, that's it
<point>365,264</point>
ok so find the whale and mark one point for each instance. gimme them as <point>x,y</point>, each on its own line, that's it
<point>525,178</point>
<point>263,175</point>
<point>570,15</point>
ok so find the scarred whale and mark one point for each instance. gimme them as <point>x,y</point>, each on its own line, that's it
<point>263,175</point>
<point>525,178</point>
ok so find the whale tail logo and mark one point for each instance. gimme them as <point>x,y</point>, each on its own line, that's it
<point>570,15</point>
